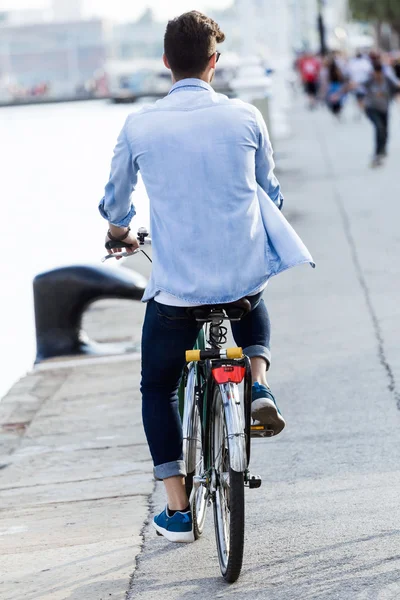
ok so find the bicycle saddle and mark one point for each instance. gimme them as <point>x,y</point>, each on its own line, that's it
<point>233,310</point>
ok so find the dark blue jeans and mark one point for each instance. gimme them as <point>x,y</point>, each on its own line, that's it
<point>380,121</point>
<point>168,332</point>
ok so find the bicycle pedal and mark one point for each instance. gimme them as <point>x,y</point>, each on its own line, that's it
<point>254,481</point>
<point>261,431</point>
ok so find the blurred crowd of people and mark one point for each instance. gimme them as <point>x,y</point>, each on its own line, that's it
<point>372,78</point>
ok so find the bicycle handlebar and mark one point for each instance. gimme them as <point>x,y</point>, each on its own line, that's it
<point>143,239</point>
<point>111,245</point>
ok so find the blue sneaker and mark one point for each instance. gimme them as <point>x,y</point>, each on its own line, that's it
<point>178,528</point>
<point>264,410</point>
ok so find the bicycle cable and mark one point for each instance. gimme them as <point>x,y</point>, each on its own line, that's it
<point>218,334</point>
<point>147,256</point>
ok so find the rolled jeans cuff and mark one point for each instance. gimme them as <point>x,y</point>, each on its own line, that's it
<point>259,351</point>
<point>176,468</point>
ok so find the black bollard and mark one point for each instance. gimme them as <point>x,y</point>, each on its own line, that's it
<point>62,296</point>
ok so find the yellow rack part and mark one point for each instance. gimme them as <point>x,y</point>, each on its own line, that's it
<point>214,354</point>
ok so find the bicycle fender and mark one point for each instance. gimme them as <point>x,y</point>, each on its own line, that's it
<point>235,424</point>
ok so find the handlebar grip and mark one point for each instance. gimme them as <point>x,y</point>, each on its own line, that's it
<point>192,355</point>
<point>234,353</point>
<point>213,353</point>
<point>111,245</point>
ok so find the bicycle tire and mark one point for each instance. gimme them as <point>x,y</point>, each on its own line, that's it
<point>194,457</point>
<point>230,544</point>
<point>197,496</point>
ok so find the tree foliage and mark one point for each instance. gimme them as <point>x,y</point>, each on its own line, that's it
<point>378,11</point>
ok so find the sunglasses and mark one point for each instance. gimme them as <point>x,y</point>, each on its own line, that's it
<point>218,54</point>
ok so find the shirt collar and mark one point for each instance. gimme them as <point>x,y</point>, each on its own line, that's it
<point>191,83</point>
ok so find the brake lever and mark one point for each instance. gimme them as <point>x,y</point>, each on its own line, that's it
<point>141,236</point>
<point>119,255</point>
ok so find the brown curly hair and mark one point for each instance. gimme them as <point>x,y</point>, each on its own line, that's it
<point>190,41</point>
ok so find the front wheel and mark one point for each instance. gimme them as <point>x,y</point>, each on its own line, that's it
<point>197,497</point>
<point>193,453</point>
<point>229,497</point>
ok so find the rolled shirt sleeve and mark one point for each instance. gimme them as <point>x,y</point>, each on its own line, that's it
<point>265,164</point>
<point>116,205</point>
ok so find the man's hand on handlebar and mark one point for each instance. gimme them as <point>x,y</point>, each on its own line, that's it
<point>129,245</point>
<point>120,242</point>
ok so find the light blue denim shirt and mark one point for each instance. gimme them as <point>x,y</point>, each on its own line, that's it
<point>206,162</point>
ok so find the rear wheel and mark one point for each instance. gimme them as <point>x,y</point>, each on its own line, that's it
<point>229,498</point>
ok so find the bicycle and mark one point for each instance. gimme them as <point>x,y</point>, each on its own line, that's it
<point>217,428</point>
<point>217,432</point>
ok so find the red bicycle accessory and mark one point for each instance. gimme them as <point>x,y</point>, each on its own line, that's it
<point>229,374</point>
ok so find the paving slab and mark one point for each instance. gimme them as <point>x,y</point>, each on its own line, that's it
<point>121,486</point>
<point>79,522</point>
<point>79,440</point>
<point>57,467</point>
<point>75,484</point>
<point>98,571</point>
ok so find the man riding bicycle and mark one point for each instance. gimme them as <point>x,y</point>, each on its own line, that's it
<point>206,162</point>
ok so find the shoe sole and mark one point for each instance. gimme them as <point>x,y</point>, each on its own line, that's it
<point>265,413</point>
<point>178,537</point>
<point>378,163</point>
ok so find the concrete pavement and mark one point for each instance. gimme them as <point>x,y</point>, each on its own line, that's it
<point>76,482</point>
<point>76,474</point>
<point>326,522</point>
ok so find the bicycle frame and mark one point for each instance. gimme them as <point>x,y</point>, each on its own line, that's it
<point>200,377</point>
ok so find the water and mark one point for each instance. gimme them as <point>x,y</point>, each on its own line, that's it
<point>55,162</point>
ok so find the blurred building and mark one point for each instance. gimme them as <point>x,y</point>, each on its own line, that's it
<point>143,38</point>
<point>231,25</point>
<point>280,25</point>
<point>305,33</point>
<point>304,24</point>
<point>67,10</point>
<point>62,56</point>
<point>20,18</point>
